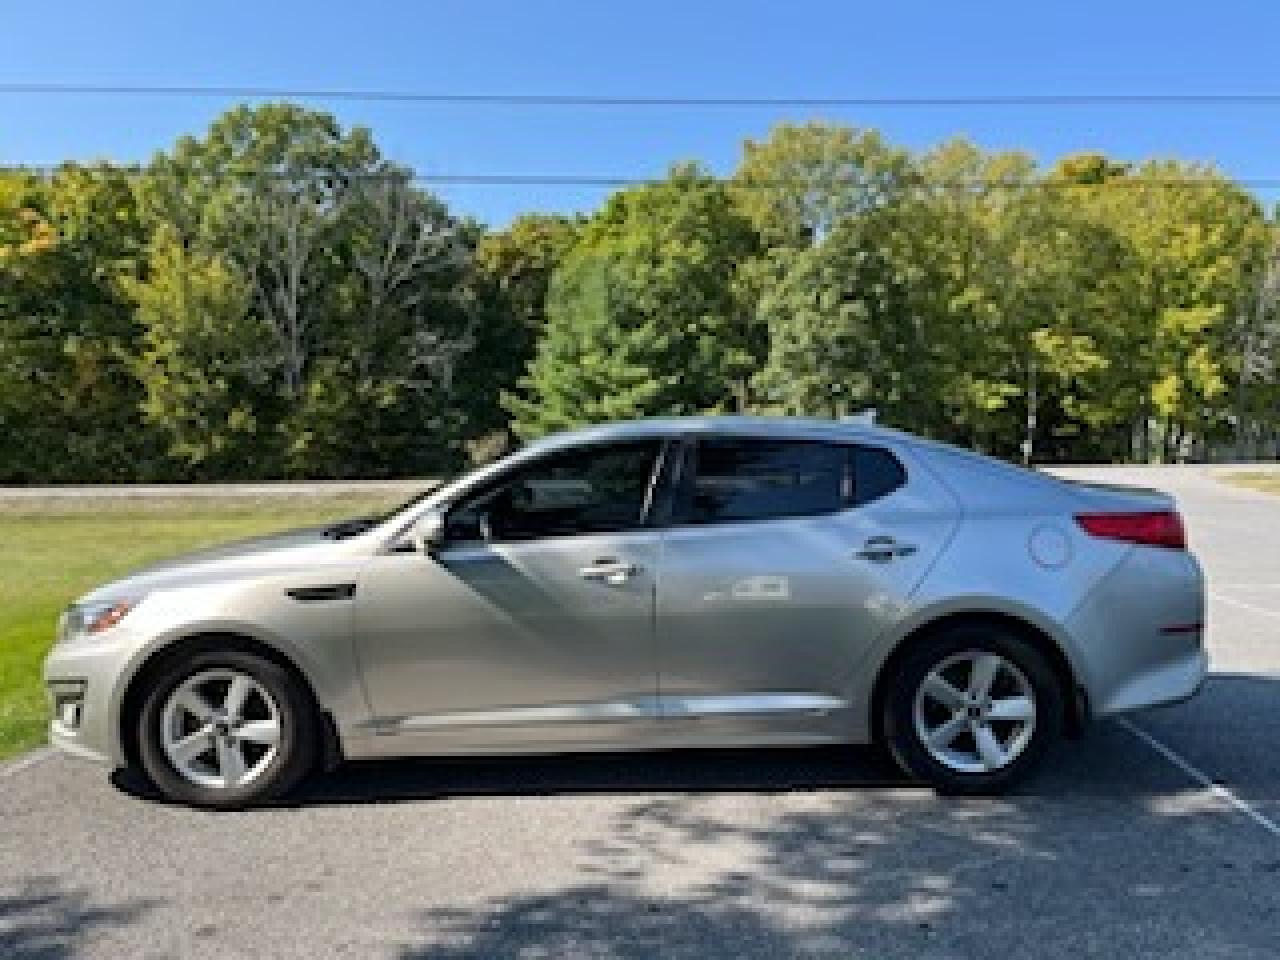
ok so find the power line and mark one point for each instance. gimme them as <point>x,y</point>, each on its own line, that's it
<point>617,181</point>
<point>594,100</point>
<point>538,180</point>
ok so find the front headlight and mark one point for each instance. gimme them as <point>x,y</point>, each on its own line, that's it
<point>93,618</point>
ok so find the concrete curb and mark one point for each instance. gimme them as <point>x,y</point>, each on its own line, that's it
<point>179,491</point>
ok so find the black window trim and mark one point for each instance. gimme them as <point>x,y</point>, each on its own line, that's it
<point>688,470</point>
<point>653,487</point>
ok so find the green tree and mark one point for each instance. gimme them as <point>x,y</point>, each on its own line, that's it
<point>1199,244</point>
<point>841,333</point>
<point>1256,403</point>
<point>519,262</point>
<point>274,297</point>
<point>200,362</point>
<point>350,284</point>
<point>953,244</point>
<point>68,404</point>
<point>796,185</point>
<point>509,280</point>
<point>1012,307</point>
<point>642,317</point>
<point>385,393</point>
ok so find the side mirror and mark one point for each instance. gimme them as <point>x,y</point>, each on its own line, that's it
<point>428,531</point>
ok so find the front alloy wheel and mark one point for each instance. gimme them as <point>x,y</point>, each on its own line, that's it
<point>220,728</point>
<point>225,728</point>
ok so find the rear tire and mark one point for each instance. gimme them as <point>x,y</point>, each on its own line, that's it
<point>226,729</point>
<point>972,709</point>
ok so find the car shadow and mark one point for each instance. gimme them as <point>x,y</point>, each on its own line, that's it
<point>761,770</point>
<point>696,771</point>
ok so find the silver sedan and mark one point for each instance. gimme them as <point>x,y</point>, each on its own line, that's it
<point>702,582</point>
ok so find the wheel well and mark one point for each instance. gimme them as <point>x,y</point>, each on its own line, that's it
<point>136,694</point>
<point>1073,696</point>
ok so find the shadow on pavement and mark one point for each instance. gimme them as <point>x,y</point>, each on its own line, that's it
<point>1111,851</point>
<point>43,921</point>
<point>898,874</point>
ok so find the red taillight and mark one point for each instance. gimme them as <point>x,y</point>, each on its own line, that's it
<point>1156,528</point>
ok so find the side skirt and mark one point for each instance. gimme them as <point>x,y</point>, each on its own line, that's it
<point>643,723</point>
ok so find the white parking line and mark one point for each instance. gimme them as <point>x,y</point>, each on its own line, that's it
<point>24,763</point>
<point>1217,789</point>
<point>1251,607</point>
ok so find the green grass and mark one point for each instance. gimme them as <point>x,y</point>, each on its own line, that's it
<point>52,551</point>
<point>1267,482</point>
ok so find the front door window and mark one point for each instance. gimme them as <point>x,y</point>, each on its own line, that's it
<point>603,489</point>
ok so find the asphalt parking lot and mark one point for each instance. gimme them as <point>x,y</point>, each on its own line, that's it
<point>1155,837</point>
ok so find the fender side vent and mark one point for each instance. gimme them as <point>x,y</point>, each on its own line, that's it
<point>332,591</point>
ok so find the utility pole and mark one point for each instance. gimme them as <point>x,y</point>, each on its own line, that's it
<point>1029,434</point>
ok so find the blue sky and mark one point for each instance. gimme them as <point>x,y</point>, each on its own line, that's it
<point>742,48</point>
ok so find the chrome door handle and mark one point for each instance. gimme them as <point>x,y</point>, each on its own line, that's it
<point>612,572</point>
<point>884,549</point>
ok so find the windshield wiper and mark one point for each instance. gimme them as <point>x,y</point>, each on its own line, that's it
<point>350,528</point>
<point>358,525</point>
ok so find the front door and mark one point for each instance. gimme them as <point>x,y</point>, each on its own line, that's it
<point>784,562</point>
<point>533,622</point>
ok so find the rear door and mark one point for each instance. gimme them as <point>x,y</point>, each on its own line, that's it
<point>784,561</point>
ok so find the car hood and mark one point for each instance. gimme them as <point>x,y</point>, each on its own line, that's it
<point>300,549</point>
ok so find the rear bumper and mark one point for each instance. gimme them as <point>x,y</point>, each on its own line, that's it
<point>1167,684</point>
<point>1135,646</point>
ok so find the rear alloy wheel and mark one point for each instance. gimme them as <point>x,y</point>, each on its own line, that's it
<point>972,710</point>
<point>226,730</point>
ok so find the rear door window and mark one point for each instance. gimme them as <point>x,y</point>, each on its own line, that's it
<point>739,479</point>
<point>749,478</point>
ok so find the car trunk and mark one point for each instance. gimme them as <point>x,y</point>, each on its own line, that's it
<point>1118,498</point>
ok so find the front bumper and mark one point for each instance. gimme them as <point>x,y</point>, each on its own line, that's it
<point>83,678</point>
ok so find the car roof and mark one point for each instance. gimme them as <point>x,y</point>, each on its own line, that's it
<point>848,430</point>
<point>811,428</point>
<point>800,427</point>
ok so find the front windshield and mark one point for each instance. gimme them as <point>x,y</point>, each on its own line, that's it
<point>413,501</point>
<point>356,525</point>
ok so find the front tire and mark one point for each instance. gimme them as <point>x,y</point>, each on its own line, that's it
<point>226,729</point>
<point>972,709</point>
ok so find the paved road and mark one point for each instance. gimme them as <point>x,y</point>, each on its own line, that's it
<point>1117,850</point>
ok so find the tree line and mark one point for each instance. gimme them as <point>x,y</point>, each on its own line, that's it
<point>276,298</point>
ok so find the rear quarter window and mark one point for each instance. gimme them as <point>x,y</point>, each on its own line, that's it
<point>876,473</point>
